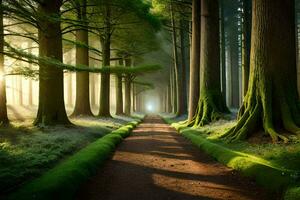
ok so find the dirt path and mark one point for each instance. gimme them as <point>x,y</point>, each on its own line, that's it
<point>156,163</point>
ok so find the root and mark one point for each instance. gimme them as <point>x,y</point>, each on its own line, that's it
<point>207,113</point>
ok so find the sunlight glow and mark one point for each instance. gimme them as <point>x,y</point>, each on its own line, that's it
<point>150,107</point>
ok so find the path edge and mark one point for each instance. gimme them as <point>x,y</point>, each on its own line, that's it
<point>62,181</point>
<point>269,177</point>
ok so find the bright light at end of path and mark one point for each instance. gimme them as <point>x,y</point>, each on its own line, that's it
<point>150,107</point>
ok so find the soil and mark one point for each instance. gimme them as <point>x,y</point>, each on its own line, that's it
<point>156,163</point>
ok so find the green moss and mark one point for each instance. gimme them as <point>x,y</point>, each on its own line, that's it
<point>274,166</point>
<point>62,181</point>
<point>265,172</point>
<point>292,193</point>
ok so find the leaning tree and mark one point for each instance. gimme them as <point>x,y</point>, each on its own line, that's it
<point>271,102</point>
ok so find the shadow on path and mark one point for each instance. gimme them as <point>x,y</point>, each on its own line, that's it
<point>156,163</point>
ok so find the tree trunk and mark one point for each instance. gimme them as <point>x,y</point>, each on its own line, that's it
<point>20,90</point>
<point>223,50</point>
<point>177,83</point>
<point>211,103</point>
<point>3,107</point>
<point>169,99</point>
<point>234,66</point>
<point>104,107</point>
<point>127,89</point>
<point>51,109</point>
<point>70,89</point>
<point>133,98</point>
<point>271,102</point>
<point>119,92</point>
<point>30,103</point>
<point>246,43</point>
<point>182,85</point>
<point>82,105</point>
<point>195,60</point>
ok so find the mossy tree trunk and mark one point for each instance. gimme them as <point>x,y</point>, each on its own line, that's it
<point>104,106</point>
<point>271,102</point>
<point>3,107</point>
<point>211,104</point>
<point>195,60</point>
<point>82,104</point>
<point>127,89</point>
<point>119,92</point>
<point>51,109</point>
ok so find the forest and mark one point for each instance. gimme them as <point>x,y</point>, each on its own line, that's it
<point>150,99</point>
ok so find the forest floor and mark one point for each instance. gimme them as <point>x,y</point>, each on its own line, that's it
<point>157,163</point>
<point>286,155</point>
<point>27,151</point>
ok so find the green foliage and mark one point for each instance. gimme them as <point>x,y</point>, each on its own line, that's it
<point>13,52</point>
<point>26,153</point>
<point>62,181</point>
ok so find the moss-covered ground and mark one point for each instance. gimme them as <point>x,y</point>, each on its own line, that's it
<point>26,151</point>
<point>62,181</point>
<point>252,155</point>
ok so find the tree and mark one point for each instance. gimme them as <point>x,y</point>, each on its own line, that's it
<point>194,89</point>
<point>119,92</point>
<point>128,63</point>
<point>82,105</point>
<point>246,43</point>
<point>271,102</point>
<point>51,109</point>
<point>211,104</point>
<point>3,107</point>
<point>104,106</point>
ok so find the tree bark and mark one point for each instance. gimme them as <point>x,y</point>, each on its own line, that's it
<point>234,66</point>
<point>246,44</point>
<point>3,107</point>
<point>82,105</point>
<point>128,89</point>
<point>30,101</point>
<point>271,102</point>
<point>211,104</point>
<point>51,109</point>
<point>194,89</point>
<point>223,50</point>
<point>177,83</point>
<point>104,107</point>
<point>119,92</point>
<point>182,86</point>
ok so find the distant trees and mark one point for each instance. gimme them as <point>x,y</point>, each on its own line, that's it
<point>53,25</point>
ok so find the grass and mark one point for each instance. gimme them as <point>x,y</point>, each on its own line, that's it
<point>26,152</point>
<point>62,181</point>
<point>275,166</point>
